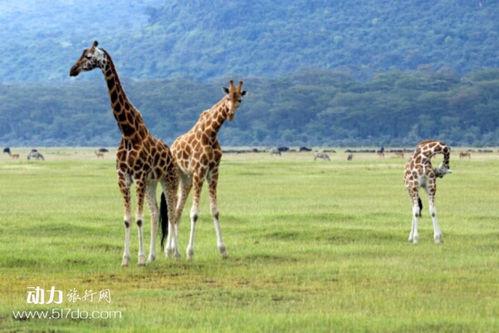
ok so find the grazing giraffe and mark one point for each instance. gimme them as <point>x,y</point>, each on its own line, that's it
<point>420,173</point>
<point>197,154</point>
<point>140,157</point>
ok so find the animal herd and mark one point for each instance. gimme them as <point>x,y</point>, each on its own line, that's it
<point>194,159</point>
<point>33,154</point>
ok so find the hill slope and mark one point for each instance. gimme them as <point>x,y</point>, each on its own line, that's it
<point>248,38</point>
<point>310,107</point>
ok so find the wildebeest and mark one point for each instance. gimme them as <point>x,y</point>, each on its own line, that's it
<point>381,152</point>
<point>321,156</point>
<point>350,157</point>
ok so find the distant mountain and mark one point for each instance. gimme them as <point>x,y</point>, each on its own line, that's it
<point>153,39</point>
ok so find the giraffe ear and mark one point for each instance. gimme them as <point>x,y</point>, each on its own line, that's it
<point>226,90</point>
<point>95,44</point>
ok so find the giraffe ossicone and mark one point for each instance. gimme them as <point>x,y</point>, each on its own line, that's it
<point>140,158</point>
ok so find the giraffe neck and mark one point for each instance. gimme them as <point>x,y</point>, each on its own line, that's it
<point>127,117</point>
<point>214,119</point>
<point>431,149</point>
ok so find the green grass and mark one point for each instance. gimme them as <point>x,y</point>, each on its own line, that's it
<point>314,247</point>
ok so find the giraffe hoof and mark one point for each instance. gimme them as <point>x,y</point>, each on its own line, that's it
<point>124,262</point>
<point>170,253</point>
<point>151,258</point>
<point>223,251</point>
<point>190,254</point>
<point>142,261</point>
<point>438,239</point>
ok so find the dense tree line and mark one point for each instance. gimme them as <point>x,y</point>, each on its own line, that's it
<point>309,107</point>
<point>155,39</point>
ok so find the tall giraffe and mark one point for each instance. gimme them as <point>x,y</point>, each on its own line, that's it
<point>197,154</point>
<point>420,173</point>
<point>140,157</point>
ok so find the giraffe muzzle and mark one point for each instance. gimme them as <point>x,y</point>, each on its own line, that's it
<point>74,71</point>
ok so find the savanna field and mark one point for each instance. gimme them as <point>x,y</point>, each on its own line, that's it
<point>313,247</point>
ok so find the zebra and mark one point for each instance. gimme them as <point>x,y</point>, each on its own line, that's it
<point>321,156</point>
<point>35,154</point>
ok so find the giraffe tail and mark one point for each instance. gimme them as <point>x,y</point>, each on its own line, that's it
<point>420,204</point>
<point>163,218</point>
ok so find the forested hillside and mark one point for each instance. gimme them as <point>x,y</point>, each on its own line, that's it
<point>309,107</point>
<point>211,39</point>
<point>356,72</point>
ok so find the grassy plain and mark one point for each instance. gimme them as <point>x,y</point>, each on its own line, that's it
<point>313,247</point>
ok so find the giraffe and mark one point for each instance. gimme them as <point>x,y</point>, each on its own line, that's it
<point>140,157</point>
<point>197,154</point>
<point>420,173</point>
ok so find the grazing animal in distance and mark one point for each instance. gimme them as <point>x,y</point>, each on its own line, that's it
<point>140,157</point>
<point>198,154</point>
<point>8,151</point>
<point>381,152</point>
<point>350,157</point>
<point>275,151</point>
<point>100,154</point>
<point>464,154</point>
<point>419,172</point>
<point>399,153</point>
<point>35,154</point>
<point>321,156</point>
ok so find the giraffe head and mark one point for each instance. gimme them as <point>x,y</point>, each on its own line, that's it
<point>234,97</point>
<point>90,58</point>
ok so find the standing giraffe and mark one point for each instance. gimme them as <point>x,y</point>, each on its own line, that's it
<point>140,157</point>
<point>197,154</point>
<point>420,173</point>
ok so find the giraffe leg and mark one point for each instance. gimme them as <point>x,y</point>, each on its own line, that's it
<point>437,233</point>
<point>183,192</point>
<point>153,206</point>
<point>213,181</point>
<point>416,214</point>
<point>170,188</point>
<point>124,184</point>
<point>141,189</point>
<point>198,184</point>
